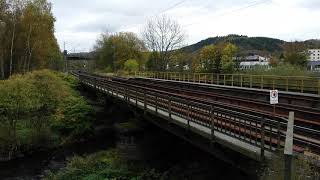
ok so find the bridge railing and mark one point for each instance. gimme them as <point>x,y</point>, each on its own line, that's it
<point>260,130</point>
<point>303,84</point>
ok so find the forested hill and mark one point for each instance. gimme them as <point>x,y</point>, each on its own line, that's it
<point>312,43</point>
<point>245,43</point>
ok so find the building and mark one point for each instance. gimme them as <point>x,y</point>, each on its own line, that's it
<point>314,54</point>
<point>251,61</point>
<point>314,60</point>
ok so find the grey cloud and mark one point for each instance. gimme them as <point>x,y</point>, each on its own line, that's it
<point>96,16</point>
<point>310,4</point>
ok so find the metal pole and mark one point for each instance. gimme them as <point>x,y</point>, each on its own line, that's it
<point>232,80</point>
<point>319,86</point>
<point>136,97</point>
<point>288,149</point>
<point>262,139</point>
<point>145,101</point>
<point>170,116</point>
<point>156,103</point>
<point>212,123</point>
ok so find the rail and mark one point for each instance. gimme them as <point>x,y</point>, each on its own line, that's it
<point>303,84</point>
<point>258,129</point>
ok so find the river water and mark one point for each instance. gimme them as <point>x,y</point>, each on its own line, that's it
<point>160,150</point>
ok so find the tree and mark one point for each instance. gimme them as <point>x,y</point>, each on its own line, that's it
<point>218,58</point>
<point>227,61</point>
<point>27,36</point>
<point>295,54</point>
<point>113,50</point>
<point>210,57</point>
<point>180,61</point>
<point>2,28</point>
<point>163,35</point>
<point>151,63</point>
<point>275,61</point>
<point>131,65</point>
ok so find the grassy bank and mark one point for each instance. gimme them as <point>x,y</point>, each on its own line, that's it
<point>303,169</point>
<point>103,165</point>
<point>39,110</point>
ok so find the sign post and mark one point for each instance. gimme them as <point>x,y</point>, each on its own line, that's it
<point>274,99</point>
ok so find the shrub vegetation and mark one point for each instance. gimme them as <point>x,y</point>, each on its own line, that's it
<point>40,109</point>
<point>103,165</point>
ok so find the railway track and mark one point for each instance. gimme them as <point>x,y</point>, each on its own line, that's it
<point>229,120</point>
<point>308,116</point>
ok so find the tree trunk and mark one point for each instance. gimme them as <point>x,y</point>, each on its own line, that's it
<point>29,49</point>
<point>2,66</point>
<point>11,49</point>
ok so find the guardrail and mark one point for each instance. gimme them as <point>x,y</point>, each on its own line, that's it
<point>264,131</point>
<point>301,84</point>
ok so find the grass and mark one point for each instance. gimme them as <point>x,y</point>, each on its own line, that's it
<point>303,169</point>
<point>102,165</point>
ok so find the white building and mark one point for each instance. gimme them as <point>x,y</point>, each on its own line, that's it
<point>314,54</point>
<point>252,61</point>
<point>314,60</point>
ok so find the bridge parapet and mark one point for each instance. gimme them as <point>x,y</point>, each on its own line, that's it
<point>260,134</point>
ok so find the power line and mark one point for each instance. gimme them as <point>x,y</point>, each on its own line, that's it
<point>253,4</point>
<point>171,7</point>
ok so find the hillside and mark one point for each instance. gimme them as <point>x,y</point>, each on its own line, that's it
<point>245,44</point>
<point>259,45</point>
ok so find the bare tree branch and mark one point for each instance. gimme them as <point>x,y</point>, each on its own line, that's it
<point>163,35</point>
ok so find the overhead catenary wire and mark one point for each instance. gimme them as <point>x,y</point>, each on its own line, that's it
<point>252,4</point>
<point>172,7</point>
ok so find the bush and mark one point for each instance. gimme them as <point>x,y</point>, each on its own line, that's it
<point>303,169</point>
<point>30,105</point>
<point>131,65</point>
<point>102,165</point>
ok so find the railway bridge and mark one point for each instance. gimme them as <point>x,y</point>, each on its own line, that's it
<point>219,118</point>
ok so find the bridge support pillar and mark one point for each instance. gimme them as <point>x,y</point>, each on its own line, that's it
<point>288,149</point>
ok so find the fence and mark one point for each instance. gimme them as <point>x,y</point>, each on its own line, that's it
<point>301,84</point>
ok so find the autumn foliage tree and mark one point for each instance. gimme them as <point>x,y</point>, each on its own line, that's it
<point>295,54</point>
<point>27,37</point>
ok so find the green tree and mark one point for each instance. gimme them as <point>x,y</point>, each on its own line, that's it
<point>131,65</point>
<point>211,57</point>
<point>227,61</point>
<point>218,58</point>
<point>113,50</point>
<point>36,105</point>
<point>179,60</point>
<point>152,61</point>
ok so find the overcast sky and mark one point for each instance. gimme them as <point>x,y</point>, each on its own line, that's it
<point>79,22</point>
